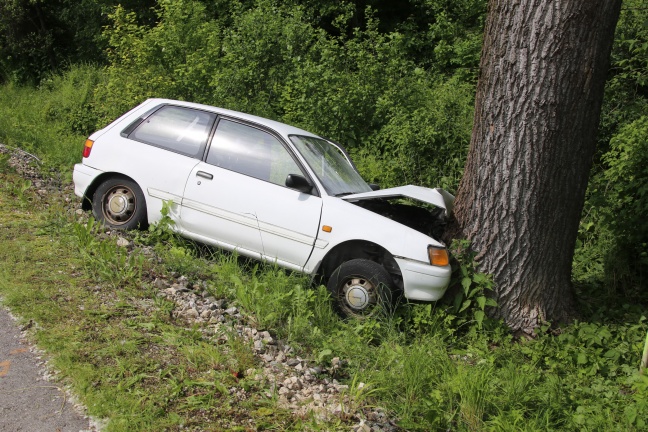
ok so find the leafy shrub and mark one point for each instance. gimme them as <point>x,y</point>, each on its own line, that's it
<point>402,124</point>
<point>616,226</point>
<point>627,184</point>
<point>173,59</point>
<point>52,121</point>
<point>426,136</point>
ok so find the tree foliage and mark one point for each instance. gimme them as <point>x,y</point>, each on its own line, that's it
<point>611,247</point>
<point>38,37</point>
<point>363,90</point>
<point>392,81</point>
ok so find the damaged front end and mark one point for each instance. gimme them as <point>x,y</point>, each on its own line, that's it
<point>430,218</point>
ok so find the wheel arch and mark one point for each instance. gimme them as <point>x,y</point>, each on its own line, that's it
<point>86,204</point>
<point>353,249</point>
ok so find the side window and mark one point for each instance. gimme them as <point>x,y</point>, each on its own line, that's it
<point>182,130</point>
<point>250,151</point>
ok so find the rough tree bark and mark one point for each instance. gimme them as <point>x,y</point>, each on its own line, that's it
<point>538,101</point>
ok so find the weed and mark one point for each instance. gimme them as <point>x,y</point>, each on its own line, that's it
<point>160,232</point>
<point>470,303</point>
<point>435,366</point>
<point>19,191</point>
<point>4,162</point>
<point>106,261</point>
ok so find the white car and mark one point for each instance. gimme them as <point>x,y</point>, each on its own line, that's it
<point>269,191</point>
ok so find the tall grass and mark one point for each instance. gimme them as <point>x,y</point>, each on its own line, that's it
<point>431,367</point>
<point>52,121</point>
<point>432,374</point>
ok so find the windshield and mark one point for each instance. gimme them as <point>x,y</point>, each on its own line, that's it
<point>330,166</point>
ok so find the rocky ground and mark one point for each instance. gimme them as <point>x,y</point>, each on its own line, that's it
<point>300,385</point>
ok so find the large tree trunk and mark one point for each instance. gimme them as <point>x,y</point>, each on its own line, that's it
<point>538,101</point>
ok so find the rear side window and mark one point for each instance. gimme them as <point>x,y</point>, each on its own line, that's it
<point>251,151</point>
<point>181,130</point>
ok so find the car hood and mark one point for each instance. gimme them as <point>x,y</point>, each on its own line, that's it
<point>437,197</point>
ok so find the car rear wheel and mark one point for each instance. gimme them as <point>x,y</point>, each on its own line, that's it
<point>119,203</point>
<point>361,288</point>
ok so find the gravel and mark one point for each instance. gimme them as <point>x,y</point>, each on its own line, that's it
<point>299,384</point>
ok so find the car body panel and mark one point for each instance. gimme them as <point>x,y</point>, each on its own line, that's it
<point>421,281</point>
<point>437,197</point>
<point>258,218</point>
<point>83,176</point>
<point>214,209</point>
<point>127,156</point>
<point>290,234</point>
<point>398,239</point>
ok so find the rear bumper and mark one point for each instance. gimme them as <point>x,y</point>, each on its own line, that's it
<point>422,281</point>
<point>83,176</point>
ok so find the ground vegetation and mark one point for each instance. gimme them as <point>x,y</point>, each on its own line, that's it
<point>397,88</point>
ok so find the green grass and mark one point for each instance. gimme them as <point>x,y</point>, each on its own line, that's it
<point>53,121</point>
<point>111,337</point>
<point>431,367</point>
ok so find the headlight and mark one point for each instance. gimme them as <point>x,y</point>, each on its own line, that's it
<point>438,256</point>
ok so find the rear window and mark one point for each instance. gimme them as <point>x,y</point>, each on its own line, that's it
<point>181,130</point>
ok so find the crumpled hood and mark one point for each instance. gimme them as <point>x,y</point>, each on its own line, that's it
<point>437,197</point>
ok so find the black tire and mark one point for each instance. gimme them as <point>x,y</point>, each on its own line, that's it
<point>119,204</point>
<point>361,288</point>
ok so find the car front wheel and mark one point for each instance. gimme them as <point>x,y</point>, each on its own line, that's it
<point>360,288</point>
<point>119,203</point>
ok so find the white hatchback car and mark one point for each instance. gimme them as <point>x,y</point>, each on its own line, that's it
<point>269,191</point>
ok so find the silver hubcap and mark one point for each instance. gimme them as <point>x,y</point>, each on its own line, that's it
<point>120,205</point>
<point>359,293</point>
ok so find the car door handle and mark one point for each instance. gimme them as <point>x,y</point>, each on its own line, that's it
<point>205,175</point>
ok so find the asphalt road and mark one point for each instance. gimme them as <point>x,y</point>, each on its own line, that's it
<point>28,402</point>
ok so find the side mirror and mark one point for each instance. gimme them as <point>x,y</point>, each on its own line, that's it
<point>299,182</point>
<point>374,186</point>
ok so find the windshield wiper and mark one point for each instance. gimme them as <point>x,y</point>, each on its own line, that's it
<point>344,194</point>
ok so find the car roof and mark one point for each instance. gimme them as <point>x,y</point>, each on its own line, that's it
<point>279,127</point>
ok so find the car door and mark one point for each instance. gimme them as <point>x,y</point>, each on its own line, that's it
<point>240,191</point>
<point>174,139</point>
<point>217,206</point>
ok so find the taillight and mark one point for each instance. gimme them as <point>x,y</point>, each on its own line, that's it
<point>87,148</point>
<point>438,256</point>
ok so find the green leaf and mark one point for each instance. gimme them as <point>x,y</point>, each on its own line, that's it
<point>480,278</point>
<point>324,353</point>
<point>631,414</point>
<point>264,412</point>
<point>465,305</point>
<point>479,317</point>
<point>464,271</point>
<point>457,301</point>
<point>466,282</point>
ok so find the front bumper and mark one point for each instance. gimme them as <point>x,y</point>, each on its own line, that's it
<point>422,281</point>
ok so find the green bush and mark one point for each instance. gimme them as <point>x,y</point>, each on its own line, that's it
<point>625,186</point>
<point>361,90</point>
<point>52,121</point>
<point>426,135</point>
